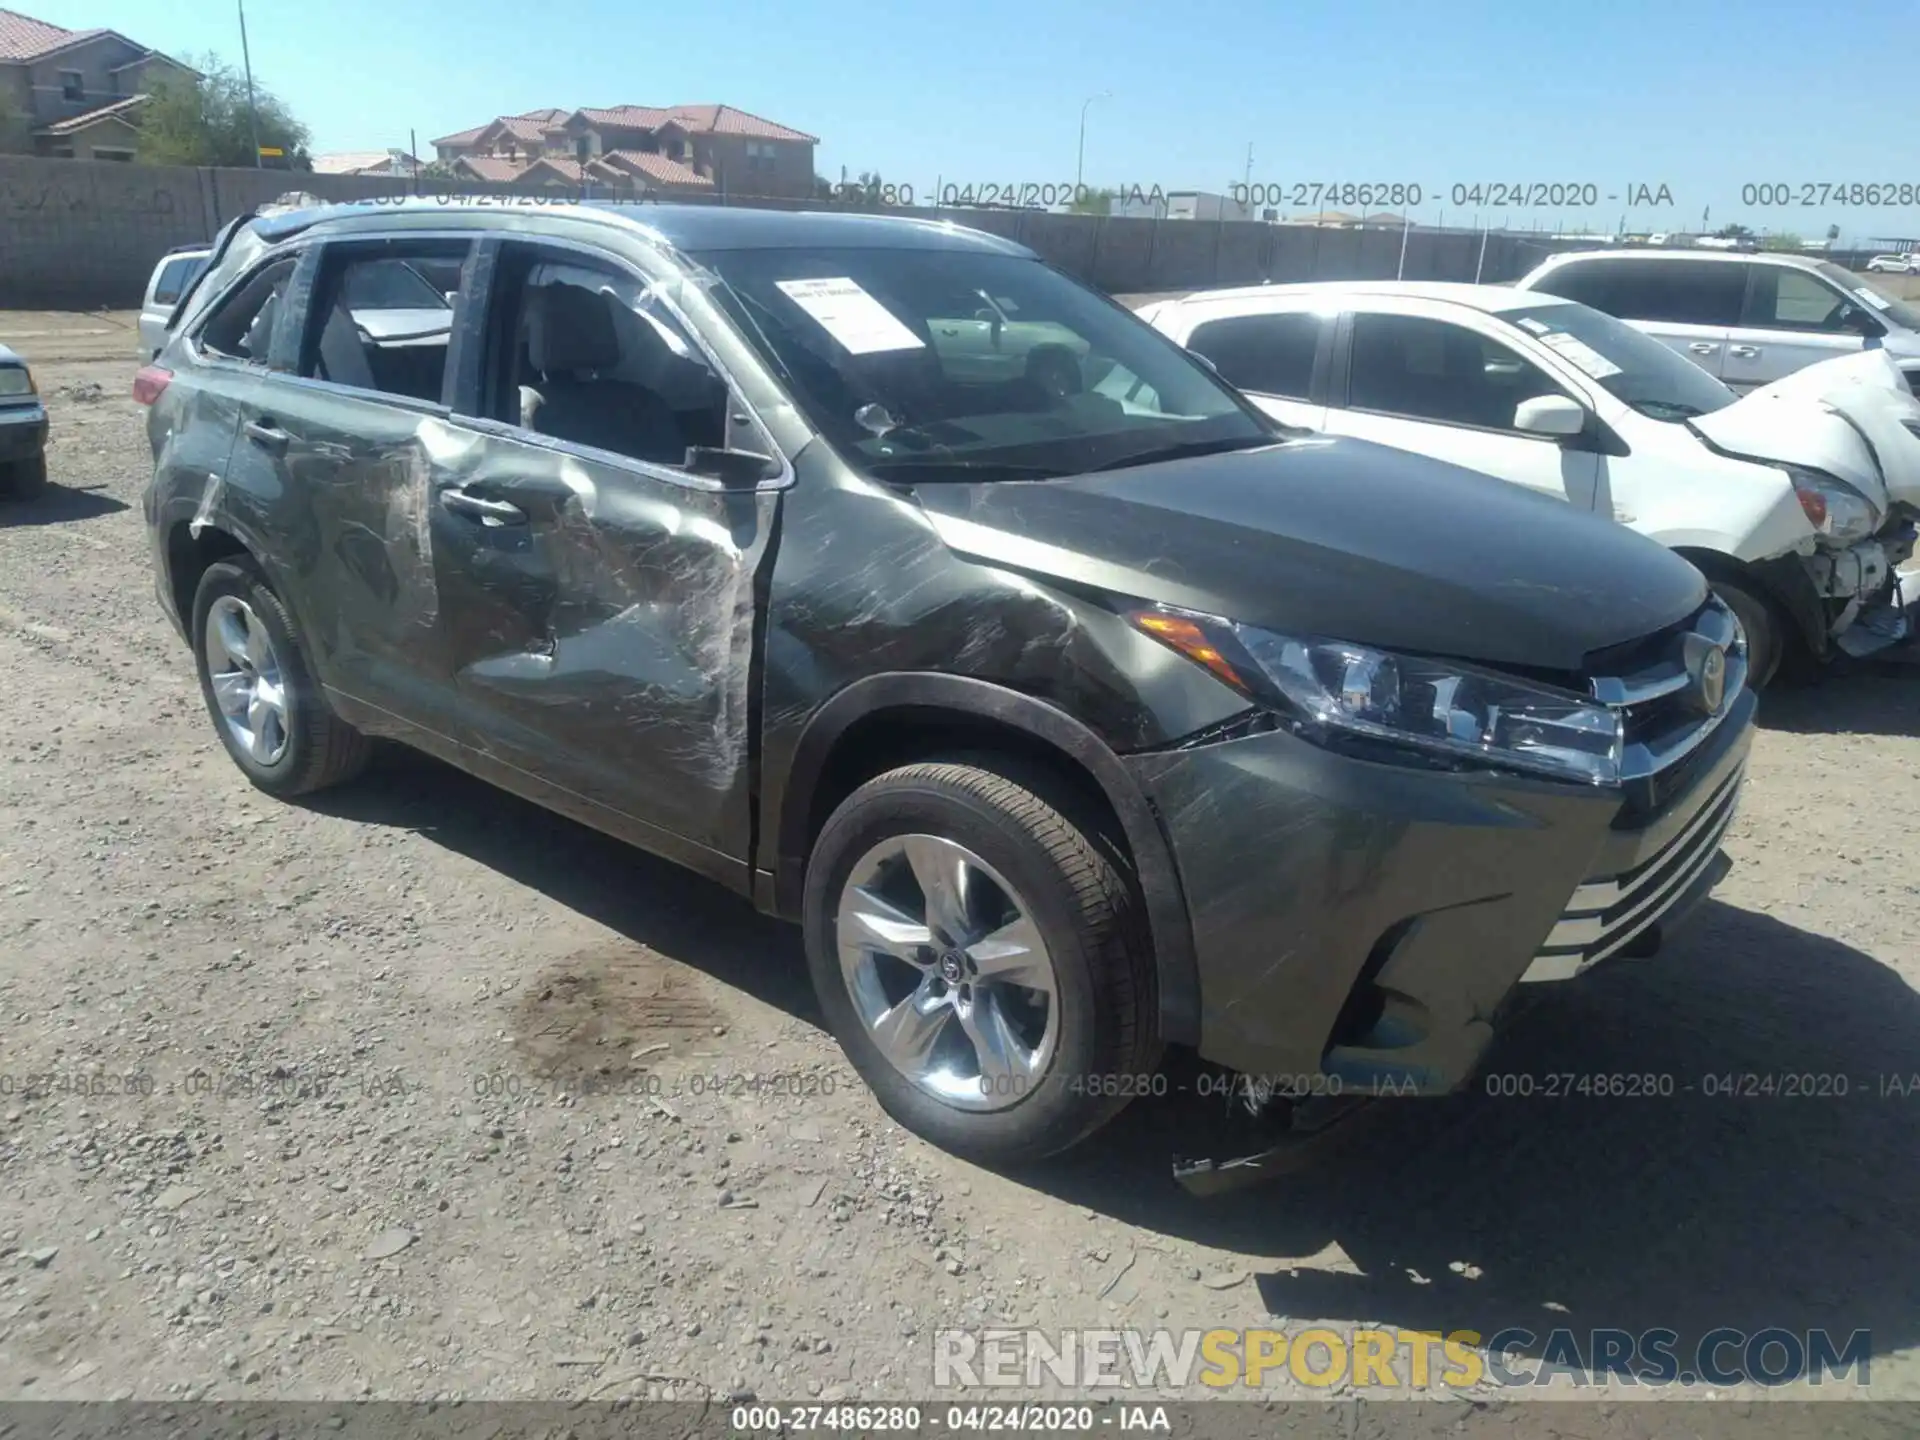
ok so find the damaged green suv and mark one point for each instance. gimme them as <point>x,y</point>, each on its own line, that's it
<point>927,598</point>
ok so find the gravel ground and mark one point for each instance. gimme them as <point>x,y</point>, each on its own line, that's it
<point>452,1098</point>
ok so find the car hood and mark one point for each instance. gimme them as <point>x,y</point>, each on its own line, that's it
<point>1340,538</point>
<point>1852,417</point>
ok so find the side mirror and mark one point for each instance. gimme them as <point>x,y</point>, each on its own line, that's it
<point>1554,415</point>
<point>739,469</point>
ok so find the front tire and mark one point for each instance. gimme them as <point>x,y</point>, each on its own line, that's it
<point>260,691</point>
<point>1757,618</point>
<point>981,960</point>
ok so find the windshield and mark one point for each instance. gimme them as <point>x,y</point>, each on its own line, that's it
<point>1890,308</point>
<point>1630,366</point>
<point>933,364</point>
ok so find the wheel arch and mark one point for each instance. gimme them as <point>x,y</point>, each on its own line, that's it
<point>1781,581</point>
<point>900,717</point>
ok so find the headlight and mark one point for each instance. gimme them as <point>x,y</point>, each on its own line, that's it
<point>1833,507</point>
<point>16,380</point>
<point>1335,688</point>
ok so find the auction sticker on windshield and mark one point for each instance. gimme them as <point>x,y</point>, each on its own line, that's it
<point>1577,352</point>
<point>850,315</point>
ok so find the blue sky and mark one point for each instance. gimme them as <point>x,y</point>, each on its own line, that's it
<point>1704,96</point>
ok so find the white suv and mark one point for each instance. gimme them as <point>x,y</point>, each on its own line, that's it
<point>1895,264</point>
<point>1744,319</point>
<point>1797,507</point>
<point>175,271</point>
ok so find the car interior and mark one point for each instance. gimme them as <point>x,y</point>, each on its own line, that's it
<point>590,367</point>
<point>1411,366</point>
<point>409,362</point>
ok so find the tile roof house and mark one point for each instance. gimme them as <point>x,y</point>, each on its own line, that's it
<point>73,93</point>
<point>637,149</point>
<point>396,163</point>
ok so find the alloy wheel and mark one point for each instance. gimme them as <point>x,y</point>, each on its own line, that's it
<point>248,684</point>
<point>948,971</point>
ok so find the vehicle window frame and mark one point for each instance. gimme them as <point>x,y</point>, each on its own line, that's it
<point>155,295</point>
<point>313,273</point>
<point>1341,396</point>
<point>1323,347</point>
<point>196,340</point>
<point>1775,326</point>
<point>487,313</point>
<point>1620,274</point>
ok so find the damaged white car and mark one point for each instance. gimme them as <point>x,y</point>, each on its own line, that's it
<point>1797,501</point>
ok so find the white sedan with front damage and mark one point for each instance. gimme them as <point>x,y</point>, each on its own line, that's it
<point>1797,500</point>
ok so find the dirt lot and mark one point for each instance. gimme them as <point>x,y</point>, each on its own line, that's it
<point>433,1075</point>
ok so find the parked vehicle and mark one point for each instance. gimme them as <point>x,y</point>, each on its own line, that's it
<point>1797,516</point>
<point>176,270</point>
<point>23,431</point>
<point>1895,264</point>
<point>1069,714</point>
<point>1744,319</point>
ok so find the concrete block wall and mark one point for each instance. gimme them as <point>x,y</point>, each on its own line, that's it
<point>86,234</point>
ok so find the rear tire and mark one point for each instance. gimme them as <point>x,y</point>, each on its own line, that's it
<point>299,744</point>
<point>1764,633</point>
<point>26,479</point>
<point>1027,858</point>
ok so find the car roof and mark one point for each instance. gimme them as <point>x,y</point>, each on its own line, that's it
<point>681,227</point>
<point>1490,298</point>
<point>10,356</point>
<point>1704,257</point>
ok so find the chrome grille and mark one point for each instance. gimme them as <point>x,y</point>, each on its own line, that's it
<point>1606,915</point>
<point>1664,712</point>
<point>1668,710</point>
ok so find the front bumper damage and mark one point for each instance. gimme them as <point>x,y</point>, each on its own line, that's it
<point>1360,926</point>
<point>1871,608</point>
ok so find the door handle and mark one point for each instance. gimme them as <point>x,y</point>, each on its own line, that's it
<point>492,512</point>
<point>268,436</point>
<point>1701,347</point>
<point>1745,352</point>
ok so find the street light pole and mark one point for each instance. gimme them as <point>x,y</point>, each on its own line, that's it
<point>253,123</point>
<point>1080,164</point>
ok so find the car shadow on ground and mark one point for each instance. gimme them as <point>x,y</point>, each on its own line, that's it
<point>1875,696</point>
<point>1725,1197</point>
<point>651,901</point>
<point>58,504</point>
<point>1778,1184</point>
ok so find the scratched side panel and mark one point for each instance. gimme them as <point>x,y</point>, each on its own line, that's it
<point>191,430</point>
<point>863,585</point>
<point>361,472</point>
<point>607,644</point>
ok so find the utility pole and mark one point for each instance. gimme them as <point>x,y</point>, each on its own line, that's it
<point>1080,165</point>
<point>253,122</point>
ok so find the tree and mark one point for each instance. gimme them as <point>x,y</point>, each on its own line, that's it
<point>203,120</point>
<point>1093,202</point>
<point>1783,240</point>
<point>1734,232</point>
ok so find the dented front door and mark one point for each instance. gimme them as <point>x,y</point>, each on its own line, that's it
<point>597,619</point>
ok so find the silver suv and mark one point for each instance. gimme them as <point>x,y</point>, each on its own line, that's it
<point>1747,319</point>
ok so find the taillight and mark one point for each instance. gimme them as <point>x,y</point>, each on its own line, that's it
<point>149,382</point>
